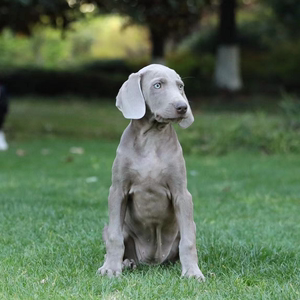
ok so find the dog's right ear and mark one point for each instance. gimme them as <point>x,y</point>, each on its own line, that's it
<point>130,99</point>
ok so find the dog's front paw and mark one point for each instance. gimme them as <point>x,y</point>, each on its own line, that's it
<point>110,270</point>
<point>193,272</point>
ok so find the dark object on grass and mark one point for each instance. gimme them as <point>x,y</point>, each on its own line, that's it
<point>3,113</point>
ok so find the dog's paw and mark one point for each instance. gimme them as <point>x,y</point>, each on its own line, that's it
<point>110,271</point>
<point>193,272</point>
<point>128,264</point>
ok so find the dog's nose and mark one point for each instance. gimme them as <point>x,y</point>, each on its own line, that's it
<point>181,108</point>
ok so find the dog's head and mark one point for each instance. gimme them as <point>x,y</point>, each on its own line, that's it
<point>161,90</point>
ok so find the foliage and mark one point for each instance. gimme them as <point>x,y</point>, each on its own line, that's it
<point>256,32</point>
<point>56,82</point>
<point>196,71</point>
<point>21,15</point>
<point>89,40</point>
<point>287,13</point>
<point>174,16</point>
<point>217,130</point>
<point>102,78</point>
<point>257,132</point>
<point>269,57</point>
<point>277,67</point>
<point>108,37</point>
<point>290,105</point>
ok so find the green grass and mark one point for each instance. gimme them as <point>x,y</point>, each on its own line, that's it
<point>51,214</point>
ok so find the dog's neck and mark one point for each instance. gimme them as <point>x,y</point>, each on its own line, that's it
<point>148,124</point>
<point>150,136</point>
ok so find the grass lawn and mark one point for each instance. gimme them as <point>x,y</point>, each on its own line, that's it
<point>53,206</point>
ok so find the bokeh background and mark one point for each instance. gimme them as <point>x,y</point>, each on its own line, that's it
<point>89,47</point>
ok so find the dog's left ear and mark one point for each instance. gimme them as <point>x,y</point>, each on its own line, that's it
<point>130,99</point>
<point>185,123</point>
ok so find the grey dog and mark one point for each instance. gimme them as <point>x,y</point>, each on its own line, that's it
<point>150,208</point>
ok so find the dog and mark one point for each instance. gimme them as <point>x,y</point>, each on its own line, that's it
<point>3,113</point>
<point>150,208</point>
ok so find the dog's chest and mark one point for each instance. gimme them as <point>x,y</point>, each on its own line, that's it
<point>149,187</point>
<point>149,168</point>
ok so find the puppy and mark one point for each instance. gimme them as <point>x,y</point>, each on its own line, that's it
<point>150,208</point>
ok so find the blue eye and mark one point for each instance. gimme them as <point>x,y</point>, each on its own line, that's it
<point>157,85</point>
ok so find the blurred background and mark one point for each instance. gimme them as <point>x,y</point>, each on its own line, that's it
<point>50,47</point>
<point>234,55</point>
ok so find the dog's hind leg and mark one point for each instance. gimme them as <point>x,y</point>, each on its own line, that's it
<point>130,257</point>
<point>174,253</point>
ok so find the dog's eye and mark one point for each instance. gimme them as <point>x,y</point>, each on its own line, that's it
<point>157,85</point>
<point>180,86</point>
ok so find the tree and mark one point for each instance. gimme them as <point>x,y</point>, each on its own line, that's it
<point>21,15</point>
<point>166,19</point>
<point>227,71</point>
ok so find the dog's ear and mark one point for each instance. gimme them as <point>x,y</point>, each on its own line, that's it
<point>130,99</point>
<point>186,122</point>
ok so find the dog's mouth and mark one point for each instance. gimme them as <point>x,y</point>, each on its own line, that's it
<point>161,119</point>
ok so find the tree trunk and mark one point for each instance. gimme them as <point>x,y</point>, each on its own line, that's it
<point>227,71</point>
<point>158,46</point>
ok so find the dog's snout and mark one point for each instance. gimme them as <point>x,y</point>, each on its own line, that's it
<point>181,108</point>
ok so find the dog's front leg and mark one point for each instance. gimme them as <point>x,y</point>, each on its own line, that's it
<point>183,205</point>
<point>113,235</point>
